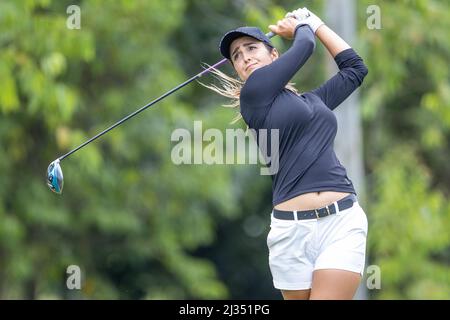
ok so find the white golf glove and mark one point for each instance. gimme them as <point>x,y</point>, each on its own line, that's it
<point>299,14</point>
<point>306,17</point>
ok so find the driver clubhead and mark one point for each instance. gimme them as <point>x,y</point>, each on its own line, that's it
<point>55,179</point>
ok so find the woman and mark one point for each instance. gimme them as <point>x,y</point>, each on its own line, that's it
<point>318,232</point>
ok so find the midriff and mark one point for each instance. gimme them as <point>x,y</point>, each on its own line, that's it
<point>311,200</point>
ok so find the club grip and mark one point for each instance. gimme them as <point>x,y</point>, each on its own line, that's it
<point>270,35</point>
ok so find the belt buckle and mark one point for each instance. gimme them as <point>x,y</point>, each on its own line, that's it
<point>317,214</point>
<point>316,211</point>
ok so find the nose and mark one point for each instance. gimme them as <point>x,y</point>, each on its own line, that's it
<point>247,57</point>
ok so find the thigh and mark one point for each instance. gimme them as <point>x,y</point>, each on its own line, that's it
<point>343,241</point>
<point>296,294</point>
<point>290,261</point>
<point>334,284</point>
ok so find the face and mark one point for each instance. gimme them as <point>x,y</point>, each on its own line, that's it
<point>248,54</point>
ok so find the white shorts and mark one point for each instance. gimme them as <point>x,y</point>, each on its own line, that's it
<point>298,247</point>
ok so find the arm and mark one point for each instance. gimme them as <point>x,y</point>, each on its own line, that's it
<point>352,69</point>
<point>265,83</point>
<point>331,40</point>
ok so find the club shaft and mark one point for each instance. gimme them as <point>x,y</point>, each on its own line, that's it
<point>118,123</point>
<point>269,35</point>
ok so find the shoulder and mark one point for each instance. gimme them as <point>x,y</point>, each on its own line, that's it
<point>254,93</point>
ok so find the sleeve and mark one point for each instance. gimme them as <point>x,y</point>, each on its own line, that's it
<point>265,83</point>
<point>352,71</point>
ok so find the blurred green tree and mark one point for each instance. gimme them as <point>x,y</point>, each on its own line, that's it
<point>128,216</point>
<point>406,108</point>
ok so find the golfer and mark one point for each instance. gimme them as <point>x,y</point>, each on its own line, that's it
<point>317,239</point>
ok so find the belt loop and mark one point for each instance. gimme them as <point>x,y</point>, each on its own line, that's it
<point>295,215</point>
<point>336,207</point>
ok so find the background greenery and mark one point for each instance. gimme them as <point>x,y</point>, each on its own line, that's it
<point>141,227</point>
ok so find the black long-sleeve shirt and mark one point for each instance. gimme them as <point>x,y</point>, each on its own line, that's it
<point>307,126</point>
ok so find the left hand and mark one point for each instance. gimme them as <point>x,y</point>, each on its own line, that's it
<point>307,17</point>
<point>299,14</point>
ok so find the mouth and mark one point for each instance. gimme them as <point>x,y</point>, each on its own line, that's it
<point>252,65</point>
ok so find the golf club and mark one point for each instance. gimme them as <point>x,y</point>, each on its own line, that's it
<point>55,179</point>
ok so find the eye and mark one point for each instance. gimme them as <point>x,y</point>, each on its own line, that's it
<point>252,47</point>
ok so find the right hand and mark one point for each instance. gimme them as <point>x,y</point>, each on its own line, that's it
<point>285,28</point>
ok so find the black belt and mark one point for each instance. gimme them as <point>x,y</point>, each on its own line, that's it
<point>343,204</point>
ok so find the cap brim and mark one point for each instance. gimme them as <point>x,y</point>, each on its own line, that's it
<point>228,39</point>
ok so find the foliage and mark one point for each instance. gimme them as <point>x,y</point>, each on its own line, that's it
<point>128,216</point>
<point>407,128</point>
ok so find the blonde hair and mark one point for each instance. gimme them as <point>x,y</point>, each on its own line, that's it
<point>231,88</point>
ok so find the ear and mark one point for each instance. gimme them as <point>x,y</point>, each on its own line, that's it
<point>274,54</point>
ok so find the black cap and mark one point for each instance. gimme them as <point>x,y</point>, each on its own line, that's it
<point>232,35</point>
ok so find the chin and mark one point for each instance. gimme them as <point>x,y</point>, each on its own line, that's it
<point>253,69</point>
